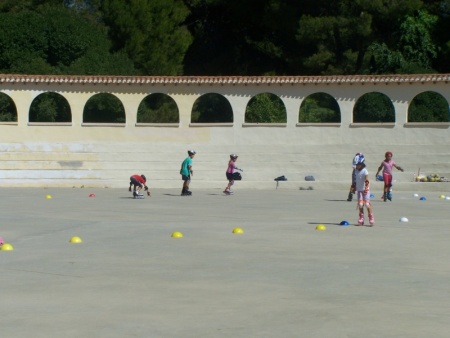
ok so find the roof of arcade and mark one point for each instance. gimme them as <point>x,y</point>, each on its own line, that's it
<point>224,80</point>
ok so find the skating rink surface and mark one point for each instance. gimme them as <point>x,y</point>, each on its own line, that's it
<point>280,278</point>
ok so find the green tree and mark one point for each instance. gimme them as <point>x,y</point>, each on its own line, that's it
<point>232,37</point>
<point>319,108</point>
<point>8,111</point>
<point>373,108</point>
<point>429,107</point>
<point>104,108</point>
<point>151,32</point>
<point>50,107</point>
<point>414,51</point>
<point>158,108</point>
<point>265,108</point>
<point>212,108</point>
<point>335,36</point>
<point>56,40</point>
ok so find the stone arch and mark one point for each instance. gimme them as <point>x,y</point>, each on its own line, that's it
<point>429,106</point>
<point>104,108</point>
<point>212,108</point>
<point>373,107</point>
<point>158,108</point>
<point>50,107</point>
<point>265,108</point>
<point>319,108</point>
<point>8,110</point>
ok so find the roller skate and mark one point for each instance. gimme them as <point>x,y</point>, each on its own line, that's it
<point>361,218</point>
<point>186,192</point>
<point>385,196</point>
<point>228,192</point>
<point>389,196</point>
<point>371,219</point>
<point>137,195</point>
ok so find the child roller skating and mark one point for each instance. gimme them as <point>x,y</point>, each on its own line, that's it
<point>232,174</point>
<point>363,190</point>
<point>387,165</point>
<point>186,172</point>
<point>138,183</point>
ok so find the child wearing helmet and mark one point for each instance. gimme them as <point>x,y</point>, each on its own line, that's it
<point>363,190</point>
<point>232,174</point>
<point>186,172</point>
<point>387,165</point>
<point>138,182</point>
<point>353,185</point>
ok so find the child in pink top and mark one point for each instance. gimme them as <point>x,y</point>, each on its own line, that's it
<point>231,173</point>
<point>387,165</point>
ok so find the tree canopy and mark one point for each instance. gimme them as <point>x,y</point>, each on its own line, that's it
<point>225,37</point>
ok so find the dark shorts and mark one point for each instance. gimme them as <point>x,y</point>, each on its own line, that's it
<point>186,178</point>
<point>135,182</point>
<point>234,176</point>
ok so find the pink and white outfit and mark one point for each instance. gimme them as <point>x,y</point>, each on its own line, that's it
<point>387,172</point>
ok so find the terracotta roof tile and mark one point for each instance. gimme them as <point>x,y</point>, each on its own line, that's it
<point>332,79</point>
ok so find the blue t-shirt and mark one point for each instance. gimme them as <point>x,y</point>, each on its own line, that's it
<point>185,166</point>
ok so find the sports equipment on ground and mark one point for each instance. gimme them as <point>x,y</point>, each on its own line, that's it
<point>361,218</point>
<point>371,219</point>
<point>186,193</point>
<point>137,195</point>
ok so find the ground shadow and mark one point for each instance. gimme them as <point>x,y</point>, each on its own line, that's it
<point>316,223</point>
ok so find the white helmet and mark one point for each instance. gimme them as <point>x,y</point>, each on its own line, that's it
<point>358,159</point>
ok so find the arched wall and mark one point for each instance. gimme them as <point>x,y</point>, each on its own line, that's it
<point>105,155</point>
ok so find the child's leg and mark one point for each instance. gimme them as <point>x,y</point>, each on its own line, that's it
<point>186,184</point>
<point>361,207</point>
<point>387,182</point>
<point>369,209</point>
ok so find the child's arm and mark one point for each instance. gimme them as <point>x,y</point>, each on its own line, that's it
<point>379,168</point>
<point>398,167</point>
<point>366,185</point>
<point>190,170</point>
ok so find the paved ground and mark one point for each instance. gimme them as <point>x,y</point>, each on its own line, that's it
<point>281,278</point>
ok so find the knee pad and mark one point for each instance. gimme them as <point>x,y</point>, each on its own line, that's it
<point>361,203</point>
<point>367,203</point>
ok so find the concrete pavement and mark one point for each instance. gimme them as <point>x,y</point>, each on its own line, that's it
<point>281,278</point>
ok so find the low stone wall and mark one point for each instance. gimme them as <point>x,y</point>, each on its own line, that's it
<point>93,155</point>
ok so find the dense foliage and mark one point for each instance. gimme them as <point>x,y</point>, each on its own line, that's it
<point>224,37</point>
<point>227,37</point>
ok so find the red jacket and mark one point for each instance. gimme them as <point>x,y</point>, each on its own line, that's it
<point>139,178</point>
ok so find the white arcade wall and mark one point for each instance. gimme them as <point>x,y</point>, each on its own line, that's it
<point>77,154</point>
